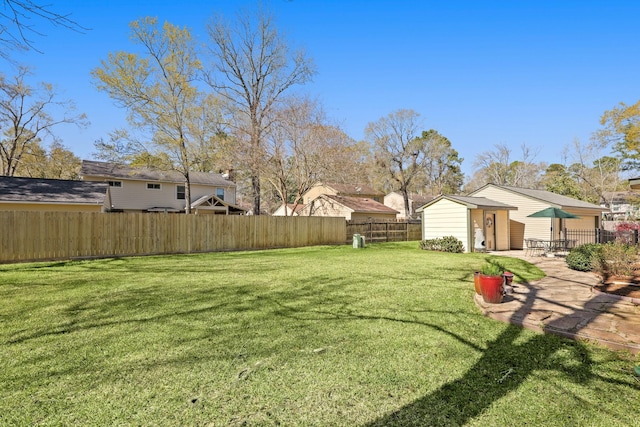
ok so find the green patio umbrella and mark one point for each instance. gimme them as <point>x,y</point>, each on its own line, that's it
<point>552,213</point>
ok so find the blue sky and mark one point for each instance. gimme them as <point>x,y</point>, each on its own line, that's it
<point>481,73</point>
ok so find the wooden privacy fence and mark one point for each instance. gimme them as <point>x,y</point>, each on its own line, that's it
<point>31,236</point>
<point>384,231</point>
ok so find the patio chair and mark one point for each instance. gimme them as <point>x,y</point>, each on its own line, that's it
<point>534,247</point>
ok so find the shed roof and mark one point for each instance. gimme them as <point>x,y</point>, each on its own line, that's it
<point>38,190</point>
<point>112,170</point>
<point>471,202</point>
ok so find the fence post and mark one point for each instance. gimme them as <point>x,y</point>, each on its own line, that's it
<point>635,237</point>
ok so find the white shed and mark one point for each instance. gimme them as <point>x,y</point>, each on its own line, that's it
<point>479,223</point>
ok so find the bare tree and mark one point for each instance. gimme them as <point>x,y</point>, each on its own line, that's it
<point>253,67</point>
<point>498,167</point>
<point>18,19</point>
<point>398,148</point>
<point>302,149</point>
<point>27,116</point>
<point>597,175</point>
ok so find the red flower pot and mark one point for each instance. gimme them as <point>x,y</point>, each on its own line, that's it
<point>508,277</point>
<point>491,288</point>
<point>476,282</point>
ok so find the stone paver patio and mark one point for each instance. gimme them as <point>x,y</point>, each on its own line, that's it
<point>565,303</point>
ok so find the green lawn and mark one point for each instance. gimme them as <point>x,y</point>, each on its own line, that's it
<point>323,336</point>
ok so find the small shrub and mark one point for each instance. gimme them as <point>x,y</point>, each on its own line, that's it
<point>616,259</point>
<point>584,257</point>
<point>443,244</point>
<point>491,269</point>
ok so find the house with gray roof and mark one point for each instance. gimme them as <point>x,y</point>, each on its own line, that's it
<point>140,189</point>
<point>36,194</point>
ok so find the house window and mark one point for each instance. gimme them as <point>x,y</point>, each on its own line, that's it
<point>153,186</point>
<point>180,192</point>
<point>115,183</point>
<point>220,193</point>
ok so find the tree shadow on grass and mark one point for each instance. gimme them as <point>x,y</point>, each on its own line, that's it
<point>503,367</point>
<point>506,363</point>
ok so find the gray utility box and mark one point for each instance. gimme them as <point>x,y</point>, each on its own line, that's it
<point>358,241</point>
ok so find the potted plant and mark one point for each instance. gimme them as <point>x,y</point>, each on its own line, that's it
<point>491,283</point>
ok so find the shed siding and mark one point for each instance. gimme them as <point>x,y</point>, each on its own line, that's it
<point>516,230</point>
<point>447,218</point>
<point>477,223</point>
<point>502,231</point>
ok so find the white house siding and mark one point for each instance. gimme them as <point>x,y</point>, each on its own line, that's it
<point>135,196</point>
<point>447,218</point>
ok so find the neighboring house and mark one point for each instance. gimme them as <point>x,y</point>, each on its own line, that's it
<point>351,208</point>
<point>634,183</point>
<point>288,210</point>
<point>622,204</point>
<point>479,223</point>
<point>35,194</point>
<point>529,201</point>
<point>395,200</point>
<point>338,189</point>
<point>134,189</point>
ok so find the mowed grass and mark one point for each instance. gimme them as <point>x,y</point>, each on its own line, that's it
<point>322,336</point>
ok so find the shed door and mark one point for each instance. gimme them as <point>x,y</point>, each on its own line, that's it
<point>490,230</point>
